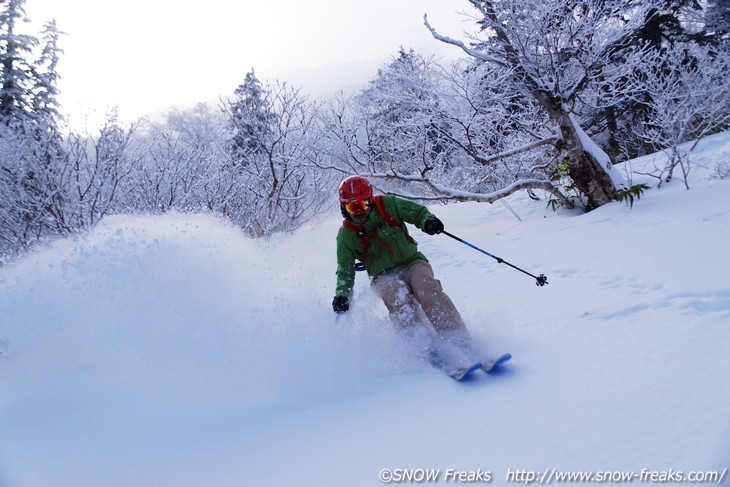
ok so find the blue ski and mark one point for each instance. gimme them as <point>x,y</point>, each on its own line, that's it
<point>491,365</point>
<point>463,372</point>
<point>456,373</point>
<point>460,373</point>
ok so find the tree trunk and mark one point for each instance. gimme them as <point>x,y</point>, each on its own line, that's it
<point>588,175</point>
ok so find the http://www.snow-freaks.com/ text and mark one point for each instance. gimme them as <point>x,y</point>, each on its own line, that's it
<point>548,476</point>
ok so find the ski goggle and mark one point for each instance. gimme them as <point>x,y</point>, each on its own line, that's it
<point>359,206</point>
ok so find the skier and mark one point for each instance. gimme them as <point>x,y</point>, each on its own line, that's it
<point>374,233</point>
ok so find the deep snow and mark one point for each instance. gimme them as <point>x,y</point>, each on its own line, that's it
<point>170,350</point>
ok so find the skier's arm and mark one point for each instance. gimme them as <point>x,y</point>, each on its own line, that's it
<point>416,214</point>
<point>345,266</point>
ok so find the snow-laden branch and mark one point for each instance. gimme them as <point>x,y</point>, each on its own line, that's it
<point>455,42</point>
<point>485,161</point>
<point>525,148</point>
<point>444,193</point>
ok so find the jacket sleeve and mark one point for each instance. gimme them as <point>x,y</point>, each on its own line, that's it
<point>408,211</point>
<point>346,257</point>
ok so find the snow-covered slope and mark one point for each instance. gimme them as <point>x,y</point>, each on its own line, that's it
<point>170,350</point>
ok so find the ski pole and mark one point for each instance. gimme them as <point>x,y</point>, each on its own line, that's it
<point>541,280</point>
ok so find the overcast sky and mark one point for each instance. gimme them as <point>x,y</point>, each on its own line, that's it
<point>148,55</point>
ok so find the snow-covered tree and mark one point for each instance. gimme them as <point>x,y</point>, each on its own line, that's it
<point>398,108</point>
<point>45,103</point>
<point>272,131</point>
<point>31,197</point>
<point>20,211</point>
<point>250,117</point>
<point>717,21</point>
<point>554,50</point>
<point>30,154</point>
<point>689,99</point>
<point>451,135</point>
<point>614,118</point>
<point>96,178</point>
<point>16,70</point>
<point>501,136</point>
<point>184,163</point>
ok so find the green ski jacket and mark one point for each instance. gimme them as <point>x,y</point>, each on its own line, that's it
<point>390,247</point>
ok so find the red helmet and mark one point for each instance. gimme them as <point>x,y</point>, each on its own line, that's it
<point>355,188</point>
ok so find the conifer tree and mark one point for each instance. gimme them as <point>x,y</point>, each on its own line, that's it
<point>45,103</point>
<point>250,119</point>
<point>16,72</point>
<point>31,159</point>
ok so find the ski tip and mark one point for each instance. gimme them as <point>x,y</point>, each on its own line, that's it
<point>504,358</point>
<point>492,364</point>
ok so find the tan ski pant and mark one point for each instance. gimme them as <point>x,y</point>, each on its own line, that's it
<point>404,289</point>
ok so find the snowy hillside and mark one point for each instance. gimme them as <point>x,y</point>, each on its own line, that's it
<point>172,351</point>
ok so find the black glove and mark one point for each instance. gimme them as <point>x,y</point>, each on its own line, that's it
<point>341,304</point>
<point>433,226</point>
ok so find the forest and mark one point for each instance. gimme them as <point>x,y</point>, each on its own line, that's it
<point>547,99</point>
